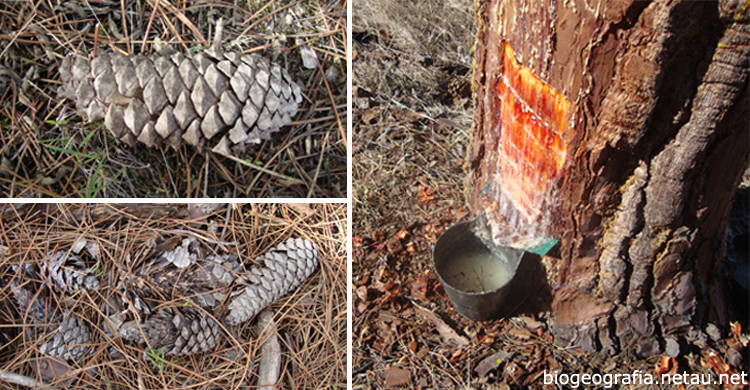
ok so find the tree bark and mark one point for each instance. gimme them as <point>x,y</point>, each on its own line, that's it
<point>654,142</point>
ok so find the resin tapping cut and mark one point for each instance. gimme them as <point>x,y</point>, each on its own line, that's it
<point>530,120</point>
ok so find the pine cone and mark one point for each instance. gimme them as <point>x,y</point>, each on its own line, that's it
<point>70,335</point>
<point>71,340</point>
<point>37,310</point>
<point>236,99</point>
<point>286,266</point>
<point>180,331</point>
<point>67,272</point>
<point>181,272</point>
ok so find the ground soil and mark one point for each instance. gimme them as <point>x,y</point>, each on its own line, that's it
<point>412,120</point>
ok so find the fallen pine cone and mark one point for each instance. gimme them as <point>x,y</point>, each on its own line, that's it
<point>284,268</point>
<point>181,272</point>
<point>237,99</point>
<point>178,331</point>
<point>63,336</point>
<point>67,272</point>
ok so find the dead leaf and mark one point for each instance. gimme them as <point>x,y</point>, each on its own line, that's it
<point>736,328</point>
<point>407,115</point>
<point>425,194</point>
<point>420,288</point>
<point>394,245</point>
<point>460,213</point>
<point>50,369</point>
<point>445,331</point>
<point>492,362</point>
<point>402,234</point>
<point>519,333</point>
<point>395,376</point>
<point>361,293</point>
<point>513,373</point>
<point>530,323</point>
<point>302,208</point>
<point>370,114</point>
<point>667,364</point>
<point>457,355</point>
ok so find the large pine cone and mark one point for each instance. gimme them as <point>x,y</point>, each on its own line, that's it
<point>286,266</point>
<point>236,99</point>
<point>179,331</point>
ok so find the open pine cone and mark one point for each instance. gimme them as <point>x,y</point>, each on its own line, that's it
<point>67,272</point>
<point>226,100</point>
<point>181,272</point>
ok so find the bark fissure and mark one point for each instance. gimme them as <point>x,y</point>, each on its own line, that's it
<point>614,269</point>
<point>663,276</point>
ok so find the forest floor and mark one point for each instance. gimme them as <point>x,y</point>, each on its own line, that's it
<point>412,114</point>
<point>310,321</point>
<point>50,151</point>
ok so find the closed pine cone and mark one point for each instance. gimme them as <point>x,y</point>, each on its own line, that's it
<point>178,331</point>
<point>226,100</point>
<point>280,271</point>
<point>64,336</point>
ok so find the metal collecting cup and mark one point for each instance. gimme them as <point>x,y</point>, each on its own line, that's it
<point>474,271</point>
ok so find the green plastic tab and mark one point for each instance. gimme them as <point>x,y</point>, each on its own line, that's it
<point>544,247</point>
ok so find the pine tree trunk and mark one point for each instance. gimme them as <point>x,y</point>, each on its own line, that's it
<point>638,138</point>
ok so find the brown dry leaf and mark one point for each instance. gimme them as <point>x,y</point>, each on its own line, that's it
<point>531,324</point>
<point>460,214</point>
<point>519,333</point>
<point>457,355</point>
<point>370,114</point>
<point>302,208</point>
<point>445,331</point>
<point>361,293</point>
<point>50,369</point>
<point>667,364</point>
<point>736,328</point>
<point>492,362</point>
<point>715,361</point>
<point>407,115</point>
<point>394,245</point>
<point>395,376</point>
<point>425,194</point>
<point>420,288</point>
